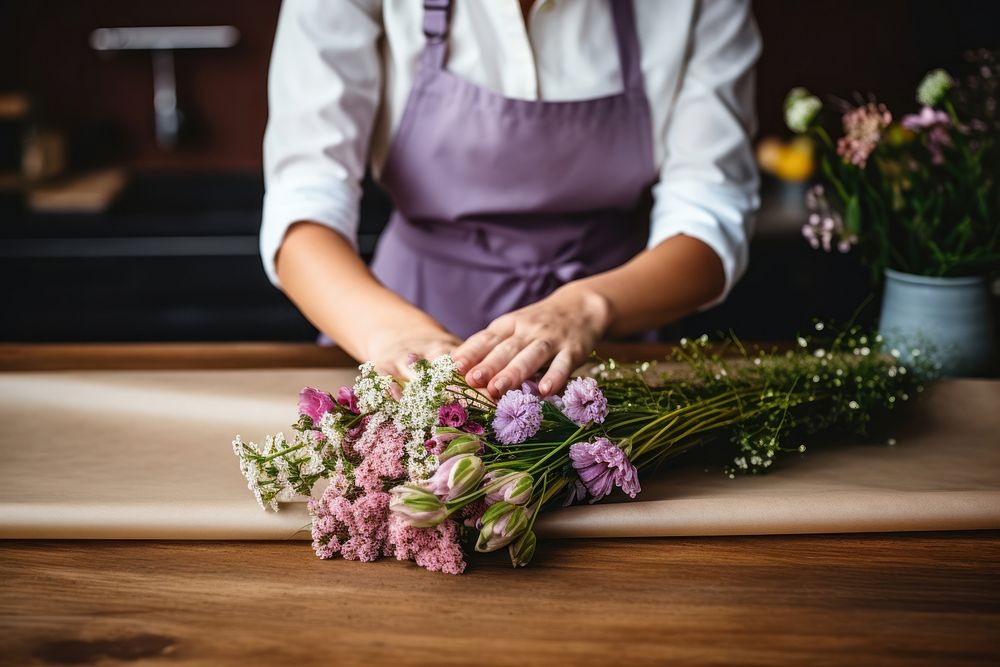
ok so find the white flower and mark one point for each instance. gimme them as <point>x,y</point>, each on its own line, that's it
<point>333,432</point>
<point>372,390</point>
<point>420,464</point>
<point>314,465</point>
<point>801,109</point>
<point>424,394</point>
<point>934,87</point>
<point>367,439</point>
<point>249,453</point>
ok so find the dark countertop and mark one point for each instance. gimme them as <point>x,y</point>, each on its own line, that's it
<point>176,258</point>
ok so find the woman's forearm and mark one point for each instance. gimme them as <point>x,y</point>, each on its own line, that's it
<point>658,286</point>
<point>323,275</point>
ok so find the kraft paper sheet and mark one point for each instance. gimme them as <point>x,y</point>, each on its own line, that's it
<point>147,455</point>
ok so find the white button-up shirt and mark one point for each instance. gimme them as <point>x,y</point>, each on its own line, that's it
<point>341,71</point>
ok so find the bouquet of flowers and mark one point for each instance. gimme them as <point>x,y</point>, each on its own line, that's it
<point>428,469</point>
<point>919,195</point>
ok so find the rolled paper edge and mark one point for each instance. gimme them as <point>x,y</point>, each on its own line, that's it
<point>153,521</point>
<point>836,512</point>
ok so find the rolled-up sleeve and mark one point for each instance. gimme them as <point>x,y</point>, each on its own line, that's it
<point>324,86</point>
<point>708,187</point>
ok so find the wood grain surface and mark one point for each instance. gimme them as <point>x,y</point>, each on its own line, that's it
<point>904,599</point>
<point>913,599</point>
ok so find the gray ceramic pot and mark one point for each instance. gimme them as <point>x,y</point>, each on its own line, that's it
<point>949,318</point>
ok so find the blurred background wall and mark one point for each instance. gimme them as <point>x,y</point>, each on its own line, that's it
<point>106,235</point>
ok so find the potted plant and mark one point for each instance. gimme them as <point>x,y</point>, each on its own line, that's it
<point>919,199</point>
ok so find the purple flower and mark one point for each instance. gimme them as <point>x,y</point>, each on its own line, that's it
<point>518,417</point>
<point>602,465</point>
<point>475,428</point>
<point>937,138</point>
<point>531,387</point>
<point>452,414</point>
<point>584,402</point>
<point>928,117</point>
<point>347,399</point>
<point>314,403</point>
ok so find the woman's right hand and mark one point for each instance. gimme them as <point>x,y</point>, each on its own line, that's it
<point>392,349</point>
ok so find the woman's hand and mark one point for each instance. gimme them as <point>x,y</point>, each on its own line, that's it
<point>392,349</point>
<point>558,331</point>
<point>321,272</point>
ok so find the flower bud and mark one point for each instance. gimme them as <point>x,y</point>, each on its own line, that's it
<point>456,476</point>
<point>502,524</point>
<point>438,442</point>
<point>417,506</point>
<point>512,487</point>
<point>801,109</point>
<point>522,550</point>
<point>463,444</point>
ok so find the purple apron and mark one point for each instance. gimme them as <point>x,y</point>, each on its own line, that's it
<point>499,201</point>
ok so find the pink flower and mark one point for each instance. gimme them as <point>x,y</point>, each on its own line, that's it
<point>863,129</point>
<point>436,549</point>
<point>584,402</point>
<point>518,417</point>
<point>383,461</point>
<point>357,531</point>
<point>825,225</point>
<point>341,483</point>
<point>474,428</point>
<point>602,465</point>
<point>452,414</point>
<point>347,399</point>
<point>314,403</point>
<point>368,527</point>
<point>329,530</point>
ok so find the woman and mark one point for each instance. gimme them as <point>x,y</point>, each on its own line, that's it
<point>562,170</point>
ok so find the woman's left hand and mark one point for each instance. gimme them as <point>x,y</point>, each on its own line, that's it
<point>559,331</point>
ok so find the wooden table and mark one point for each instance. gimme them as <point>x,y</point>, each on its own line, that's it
<point>914,599</point>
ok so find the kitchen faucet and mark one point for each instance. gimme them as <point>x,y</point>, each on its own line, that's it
<point>162,42</point>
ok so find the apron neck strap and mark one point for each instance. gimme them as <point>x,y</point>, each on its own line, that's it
<point>629,54</point>
<point>436,16</point>
<point>438,12</point>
